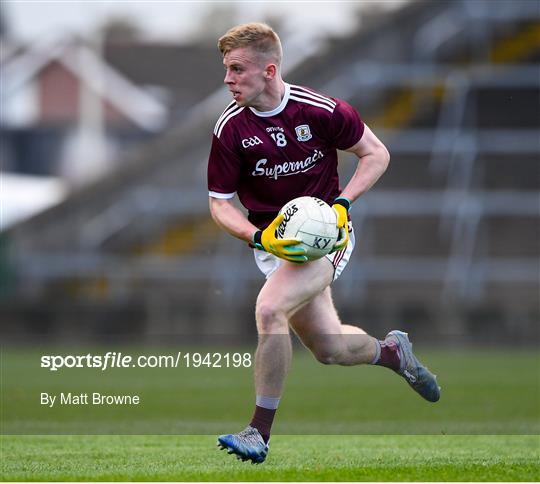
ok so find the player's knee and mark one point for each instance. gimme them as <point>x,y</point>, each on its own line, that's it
<point>266,313</point>
<point>326,356</point>
<point>269,317</point>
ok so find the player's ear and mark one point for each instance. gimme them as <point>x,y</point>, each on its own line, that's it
<point>270,72</point>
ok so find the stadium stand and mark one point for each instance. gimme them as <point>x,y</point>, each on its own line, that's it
<point>448,239</point>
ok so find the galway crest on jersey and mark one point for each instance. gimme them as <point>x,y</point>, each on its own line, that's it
<point>303,133</point>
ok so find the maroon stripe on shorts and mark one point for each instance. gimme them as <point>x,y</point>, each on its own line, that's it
<point>338,257</point>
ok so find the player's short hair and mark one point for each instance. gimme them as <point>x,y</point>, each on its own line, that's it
<point>258,36</point>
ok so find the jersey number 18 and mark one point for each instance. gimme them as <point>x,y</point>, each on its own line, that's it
<point>279,138</point>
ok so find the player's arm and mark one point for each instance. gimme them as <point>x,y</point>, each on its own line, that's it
<point>233,221</point>
<point>372,163</point>
<point>373,159</point>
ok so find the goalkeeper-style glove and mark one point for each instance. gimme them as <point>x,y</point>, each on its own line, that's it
<point>283,248</point>
<point>341,207</point>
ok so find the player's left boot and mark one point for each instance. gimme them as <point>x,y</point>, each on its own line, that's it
<point>416,374</point>
<point>247,445</point>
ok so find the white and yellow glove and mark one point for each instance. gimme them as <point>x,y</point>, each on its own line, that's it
<point>341,206</point>
<point>283,248</point>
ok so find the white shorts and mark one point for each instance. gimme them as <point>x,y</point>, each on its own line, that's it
<point>269,263</point>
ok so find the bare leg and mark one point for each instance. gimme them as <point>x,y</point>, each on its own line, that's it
<point>350,329</point>
<point>272,363</point>
<point>288,289</point>
<point>318,325</point>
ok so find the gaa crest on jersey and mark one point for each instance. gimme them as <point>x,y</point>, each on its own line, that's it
<point>252,141</point>
<point>303,133</point>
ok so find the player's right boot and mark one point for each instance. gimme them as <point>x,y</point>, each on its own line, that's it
<point>416,374</point>
<point>247,445</point>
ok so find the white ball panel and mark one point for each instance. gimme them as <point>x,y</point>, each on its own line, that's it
<point>312,221</point>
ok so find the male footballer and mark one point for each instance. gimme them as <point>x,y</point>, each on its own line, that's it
<point>274,142</point>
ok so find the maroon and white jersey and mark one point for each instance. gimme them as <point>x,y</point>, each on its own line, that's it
<point>271,157</point>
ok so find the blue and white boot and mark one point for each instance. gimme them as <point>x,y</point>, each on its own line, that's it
<point>247,445</point>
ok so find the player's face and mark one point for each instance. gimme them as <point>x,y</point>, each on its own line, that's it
<point>245,77</point>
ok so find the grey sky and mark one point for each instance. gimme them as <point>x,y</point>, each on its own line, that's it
<point>176,20</point>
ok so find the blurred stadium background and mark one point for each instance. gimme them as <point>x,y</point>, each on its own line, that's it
<point>105,137</point>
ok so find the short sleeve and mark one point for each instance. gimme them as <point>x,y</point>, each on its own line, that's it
<point>346,126</point>
<point>223,168</point>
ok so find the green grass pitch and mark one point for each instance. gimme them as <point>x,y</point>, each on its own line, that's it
<point>334,424</point>
<point>292,458</point>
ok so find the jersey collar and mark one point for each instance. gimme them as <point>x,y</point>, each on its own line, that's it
<point>281,107</point>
